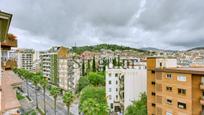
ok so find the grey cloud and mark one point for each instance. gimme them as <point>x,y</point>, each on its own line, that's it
<point>160,23</point>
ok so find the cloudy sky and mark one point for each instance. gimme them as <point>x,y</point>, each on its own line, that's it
<point>167,24</point>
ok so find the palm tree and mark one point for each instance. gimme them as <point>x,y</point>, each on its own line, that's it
<point>36,78</point>
<point>44,83</point>
<point>68,98</point>
<point>26,75</point>
<point>54,91</point>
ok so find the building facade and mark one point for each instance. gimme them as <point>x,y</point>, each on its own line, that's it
<point>173,90</point>
<point>70,74</point>
<point>25,58</point>
<point>50,63</point>
<point>124,85</point>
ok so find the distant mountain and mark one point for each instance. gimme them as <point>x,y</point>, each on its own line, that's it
<point>156,49</point>
<point>150,48</point>
<point>97,48</point>
<point>196,48</point>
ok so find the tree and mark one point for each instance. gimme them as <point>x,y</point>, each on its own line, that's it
<point>138,107</point>
<point>94,64</point>
<point>83,82</point>
<point>96,93</point>
<point>83,67</point>
<point>90,107</point>
<point>36,78</point>
<point>68,98</point>
<point>44,83</point>
<point>96,78</point>
<point>55,91</point>
<point>89,66</point>
<point>114,62</point>
<point>27,76</point>
<point>119,64</point>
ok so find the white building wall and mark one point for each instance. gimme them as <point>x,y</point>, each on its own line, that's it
<point>134,84</point>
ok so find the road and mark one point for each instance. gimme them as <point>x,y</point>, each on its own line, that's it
<point>61,108</point>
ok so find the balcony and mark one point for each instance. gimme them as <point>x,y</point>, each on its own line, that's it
<point>202,86</point>
<point>9,64</point>
<point>202,100</point>
<point>11,41</point>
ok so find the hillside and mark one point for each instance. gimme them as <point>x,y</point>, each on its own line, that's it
<point>97,48</point>
<point>197,48</point>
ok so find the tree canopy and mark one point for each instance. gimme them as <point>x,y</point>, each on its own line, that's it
<point>138,107</point>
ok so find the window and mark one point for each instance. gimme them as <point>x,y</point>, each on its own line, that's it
<point>116,75</point>
<point>181,91</point>
<point>181,78</point>
<point>153,71</point>
<point>116,96</point>
<point>168,76</point>
<point>169,101</point>
<point>116,89</point>
<point>153,94</point>
<point>169,88</point>
<point>116,82</point>
<point>109,82</point>
<point>153,83</point>
<point>109,89</point>
<point>181,105</point>
<point>153,105</point>
<point>109,74</point>
<point>160,64</point>
<point>111,105</point>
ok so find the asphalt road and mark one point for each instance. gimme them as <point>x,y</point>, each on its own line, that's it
<point>61,108</point>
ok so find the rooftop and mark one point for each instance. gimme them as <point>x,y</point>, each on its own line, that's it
<point>185,70</point>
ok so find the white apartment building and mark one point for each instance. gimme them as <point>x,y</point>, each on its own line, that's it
<point>69,74</point>
<point>124,85</point>
<point>25,58</point>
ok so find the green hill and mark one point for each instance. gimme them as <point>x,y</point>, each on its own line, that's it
<point>97,48</point>
<point>197,48</point>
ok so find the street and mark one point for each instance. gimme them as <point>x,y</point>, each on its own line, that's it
<point>61,108</point>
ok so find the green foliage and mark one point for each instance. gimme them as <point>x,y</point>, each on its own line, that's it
<point>92,78</point>
<point>138,107</point>
<point>31,112</point>
<point>83,82</point>
<point>68,98</point>
<point>83,68</point>
<point>94,64</point>
<point>93,100</point>
<point>97,48</point>
<point>54,91</point>
<point>96,78</point>
<point>91,107</point>
<point>19,96</point>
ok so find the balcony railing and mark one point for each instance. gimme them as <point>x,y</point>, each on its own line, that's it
<point>10,41</point>
<point>202,100</point>
<point>202,86</point>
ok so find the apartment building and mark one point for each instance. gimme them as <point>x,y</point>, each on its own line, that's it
<point>124,85</point>
<point>173,90</point>
<point>25,58</point>
<point>70,74</point>
<point>50,63</point>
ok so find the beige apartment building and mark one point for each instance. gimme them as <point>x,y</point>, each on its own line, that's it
<point>173,90</point>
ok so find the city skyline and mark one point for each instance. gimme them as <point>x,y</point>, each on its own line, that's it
<point>142,23</point>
